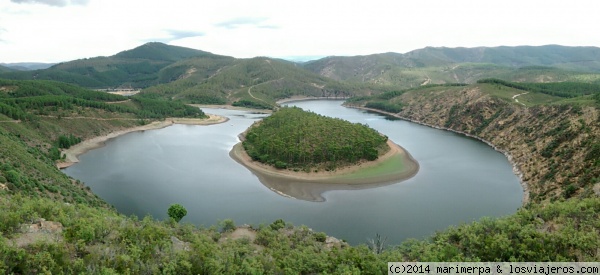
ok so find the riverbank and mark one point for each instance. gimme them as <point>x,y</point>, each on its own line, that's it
<point>350,174</point>
<point>230,107</point>
<point>302,98</point>
<point>510,158</point>
<point>72,154</point>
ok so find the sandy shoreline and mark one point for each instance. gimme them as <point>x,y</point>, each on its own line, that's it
<point>515,167</point>
<point>410,169</point>
<point>230,107</point>
<point>76,150</point>
<point>302,98</point>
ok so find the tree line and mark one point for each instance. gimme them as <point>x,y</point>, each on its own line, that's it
<point>559,89</point>
<point>25,97</point>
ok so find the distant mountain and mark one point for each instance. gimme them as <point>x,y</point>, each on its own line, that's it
<point>135,68</point>
<point>450,65</point>
<point>5,69</point>
<point>27,66</point>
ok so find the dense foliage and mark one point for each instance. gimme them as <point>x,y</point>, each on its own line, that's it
<point>25,98</point>
<point>100,241</point>
<point>560,89</point>
<point>176,212</point>
<point>294,138</point>
<point>137,67</point>
<point>252,104</point>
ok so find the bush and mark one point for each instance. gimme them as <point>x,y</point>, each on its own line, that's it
<point>176,212</point>
<point>14,177</point>
<point>278,224</point>
<point>320,237</point>
<point>227,225</point>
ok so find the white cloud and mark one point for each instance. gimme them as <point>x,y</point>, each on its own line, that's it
<point>56,3</point>
<point>286,28</point>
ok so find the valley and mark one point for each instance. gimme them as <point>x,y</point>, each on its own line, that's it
<point>537,105</point>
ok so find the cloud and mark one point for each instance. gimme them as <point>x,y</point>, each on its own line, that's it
<point>54,3</point>
<point>176,35</point>
<point>2,31</point>
<point>245,21</point>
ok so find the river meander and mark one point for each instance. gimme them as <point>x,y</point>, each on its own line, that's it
<point>460,180</point>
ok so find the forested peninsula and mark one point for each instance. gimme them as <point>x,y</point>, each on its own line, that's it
<point>305,145</point>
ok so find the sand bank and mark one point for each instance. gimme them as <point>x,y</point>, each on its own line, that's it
<point>301,98</point>
<point>76,150</point>
<point>311,185</point>
<point>230,107</point>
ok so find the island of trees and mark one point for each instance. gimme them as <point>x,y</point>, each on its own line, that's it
<point>300,140</point>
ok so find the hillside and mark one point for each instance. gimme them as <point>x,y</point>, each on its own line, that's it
<point>4,69</point>
<point>256,82</point>
<point>27,66</point>
<point>539,130</point>
<point>465,65</point>
<point>39,118</point>
<point>137,68</point>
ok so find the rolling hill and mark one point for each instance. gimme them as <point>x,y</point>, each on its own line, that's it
<point>5,69</point>
<point>27,66</point>
<point>465,65</point>
<point>256,82</point>
<point>137,68</point>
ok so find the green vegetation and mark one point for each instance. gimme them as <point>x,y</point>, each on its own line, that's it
<point>255,83</point>
<point>464,65</point>
<point>176,212</point>
<point>100,241</point>
<point>252,104</point>
<point>38,118</point>
<point>560,89</point>
<point>297,139</point>
<point>554,138</point>
<point>25,99</point>
<point>137,67</point>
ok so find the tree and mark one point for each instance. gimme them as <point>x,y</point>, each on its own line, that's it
<point>177,212</point>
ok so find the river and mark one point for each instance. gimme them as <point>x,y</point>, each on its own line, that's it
<point>460,180</point>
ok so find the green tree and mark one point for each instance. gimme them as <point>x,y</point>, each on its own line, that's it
<point>177,212</point>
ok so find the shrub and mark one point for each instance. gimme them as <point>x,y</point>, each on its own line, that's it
<point>227,225</point>
<point>176,212</point>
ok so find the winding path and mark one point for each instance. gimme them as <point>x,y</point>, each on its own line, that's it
<point>516,100</point>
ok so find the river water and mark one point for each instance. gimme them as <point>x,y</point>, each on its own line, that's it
<point>460,180</point>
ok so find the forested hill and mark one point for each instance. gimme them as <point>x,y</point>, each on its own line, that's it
<point>465,65</point>
<point>301,140</point>
<point>195,76</point>
<point>256,82</point>
<point>5,69</point>
<point>135,68</point>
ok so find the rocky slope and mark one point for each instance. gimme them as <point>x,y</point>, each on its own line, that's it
<point>554,148</point>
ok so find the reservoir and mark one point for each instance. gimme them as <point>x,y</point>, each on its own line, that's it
<point>460,180</point>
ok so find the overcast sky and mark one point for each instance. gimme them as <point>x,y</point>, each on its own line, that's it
<point>63,30</point>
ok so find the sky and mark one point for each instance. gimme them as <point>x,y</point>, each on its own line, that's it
<point>63,30</point>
